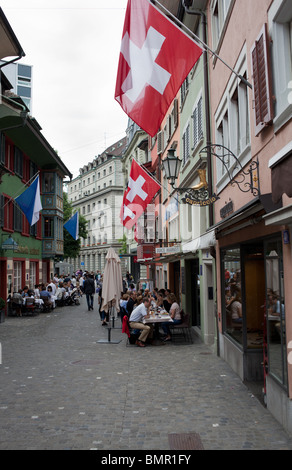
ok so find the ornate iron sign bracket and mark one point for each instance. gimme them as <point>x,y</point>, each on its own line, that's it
<point>246,180</point>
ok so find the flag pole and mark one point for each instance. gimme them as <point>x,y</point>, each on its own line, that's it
<point>207,48</point>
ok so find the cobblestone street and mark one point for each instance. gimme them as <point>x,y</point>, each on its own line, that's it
<point>62,389</point>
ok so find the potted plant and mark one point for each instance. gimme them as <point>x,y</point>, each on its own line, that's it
<point>2,310</point>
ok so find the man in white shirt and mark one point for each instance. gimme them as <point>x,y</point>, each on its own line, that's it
<point>136,322</point>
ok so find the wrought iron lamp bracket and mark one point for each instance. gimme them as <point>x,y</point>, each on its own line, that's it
<point>246,180</point>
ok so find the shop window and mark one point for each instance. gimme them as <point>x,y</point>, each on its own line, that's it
<point>275,312</point>
<point>232,294</point>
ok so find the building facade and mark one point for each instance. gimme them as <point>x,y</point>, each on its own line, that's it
<point>231,263</point>
<point>251,126</point>
<point>26,252</point>
<point>97,194</point>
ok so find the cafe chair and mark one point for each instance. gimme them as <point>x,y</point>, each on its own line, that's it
<point>30,305</point>
<point>132,334</point>
<point>182,329</point>
<point>47,306</point>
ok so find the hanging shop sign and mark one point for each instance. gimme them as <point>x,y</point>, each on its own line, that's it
<point>199,194</point>
<point>196,201</point>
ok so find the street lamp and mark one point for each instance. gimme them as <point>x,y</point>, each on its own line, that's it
<point>171,166</point>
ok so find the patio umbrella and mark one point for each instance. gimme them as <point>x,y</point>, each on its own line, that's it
<point>112,285</point>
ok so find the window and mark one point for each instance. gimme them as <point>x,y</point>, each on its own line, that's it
<point>17,276</point>
<point>8,214</point>
<point>233,125</point>
<point>232,293</point>
<point>9,154</point>
<point>280,30</point>
<point>276,320</point>
<point>219,10</point>
<point>18,162</point>
<point>48,227</point>
<point>184,90</point>
<point>32,274</point>
<point>49,183</point>
<point>17,218</point>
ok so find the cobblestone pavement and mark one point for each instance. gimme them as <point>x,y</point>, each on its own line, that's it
<point>62,389</point>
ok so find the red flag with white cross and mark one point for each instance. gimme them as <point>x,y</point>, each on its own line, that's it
<point>140,191</point>
<point>155,58</point>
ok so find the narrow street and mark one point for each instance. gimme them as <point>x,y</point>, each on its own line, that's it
<point>62,389</point>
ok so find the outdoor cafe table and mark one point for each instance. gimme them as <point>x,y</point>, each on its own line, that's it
<point>156,319</point>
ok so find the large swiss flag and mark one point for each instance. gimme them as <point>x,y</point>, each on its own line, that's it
<point>155,58</point>
<point>139,193</point>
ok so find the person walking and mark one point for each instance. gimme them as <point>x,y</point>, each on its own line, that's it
<point>89,290</point>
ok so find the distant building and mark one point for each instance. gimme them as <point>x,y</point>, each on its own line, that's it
<point>97,193</point>
<point>20,77</point>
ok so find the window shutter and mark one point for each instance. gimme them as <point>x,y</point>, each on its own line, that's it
<point>261,81</point>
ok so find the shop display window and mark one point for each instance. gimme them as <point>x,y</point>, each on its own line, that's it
<point>232,301</point>
<point>276,324</point>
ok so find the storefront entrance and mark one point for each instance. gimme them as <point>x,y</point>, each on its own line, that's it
<point>253,310</point>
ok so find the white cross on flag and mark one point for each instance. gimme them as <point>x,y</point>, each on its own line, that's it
<point>156,56</point>
<point>139,193</point>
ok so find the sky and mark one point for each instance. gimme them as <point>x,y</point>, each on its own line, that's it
<point>73,46</point>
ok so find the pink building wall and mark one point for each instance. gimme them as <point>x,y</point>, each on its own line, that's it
<point>246,21</point>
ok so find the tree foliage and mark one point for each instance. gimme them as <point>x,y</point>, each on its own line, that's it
<point>71,246</point>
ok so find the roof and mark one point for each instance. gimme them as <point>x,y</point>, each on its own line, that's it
<point>25,132</point>
<point>9,44</point>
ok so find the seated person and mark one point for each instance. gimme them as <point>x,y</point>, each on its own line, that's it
<point>175,314</point>
<point>46,296</point>
<point>131,302</point>
<point>60,291</point>
<point>136,322</point>
<point>25,291</point>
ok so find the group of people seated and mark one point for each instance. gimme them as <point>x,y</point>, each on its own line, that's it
<point>25,298</point>
<point>44,295</point>
<point>137,307</point>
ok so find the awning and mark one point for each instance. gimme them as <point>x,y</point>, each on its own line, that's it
<point>201,243</point>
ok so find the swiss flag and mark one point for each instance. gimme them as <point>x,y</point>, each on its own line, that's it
<point>139,193</point>
<point>156,56</point>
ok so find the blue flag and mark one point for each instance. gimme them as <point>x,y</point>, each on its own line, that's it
<point>72,226</point>
<point>30,202</point>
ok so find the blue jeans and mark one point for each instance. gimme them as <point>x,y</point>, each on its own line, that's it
<point>89,298</point>
<point>165,326</point>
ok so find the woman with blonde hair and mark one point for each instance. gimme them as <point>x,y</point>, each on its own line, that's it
<point>175,314</point>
